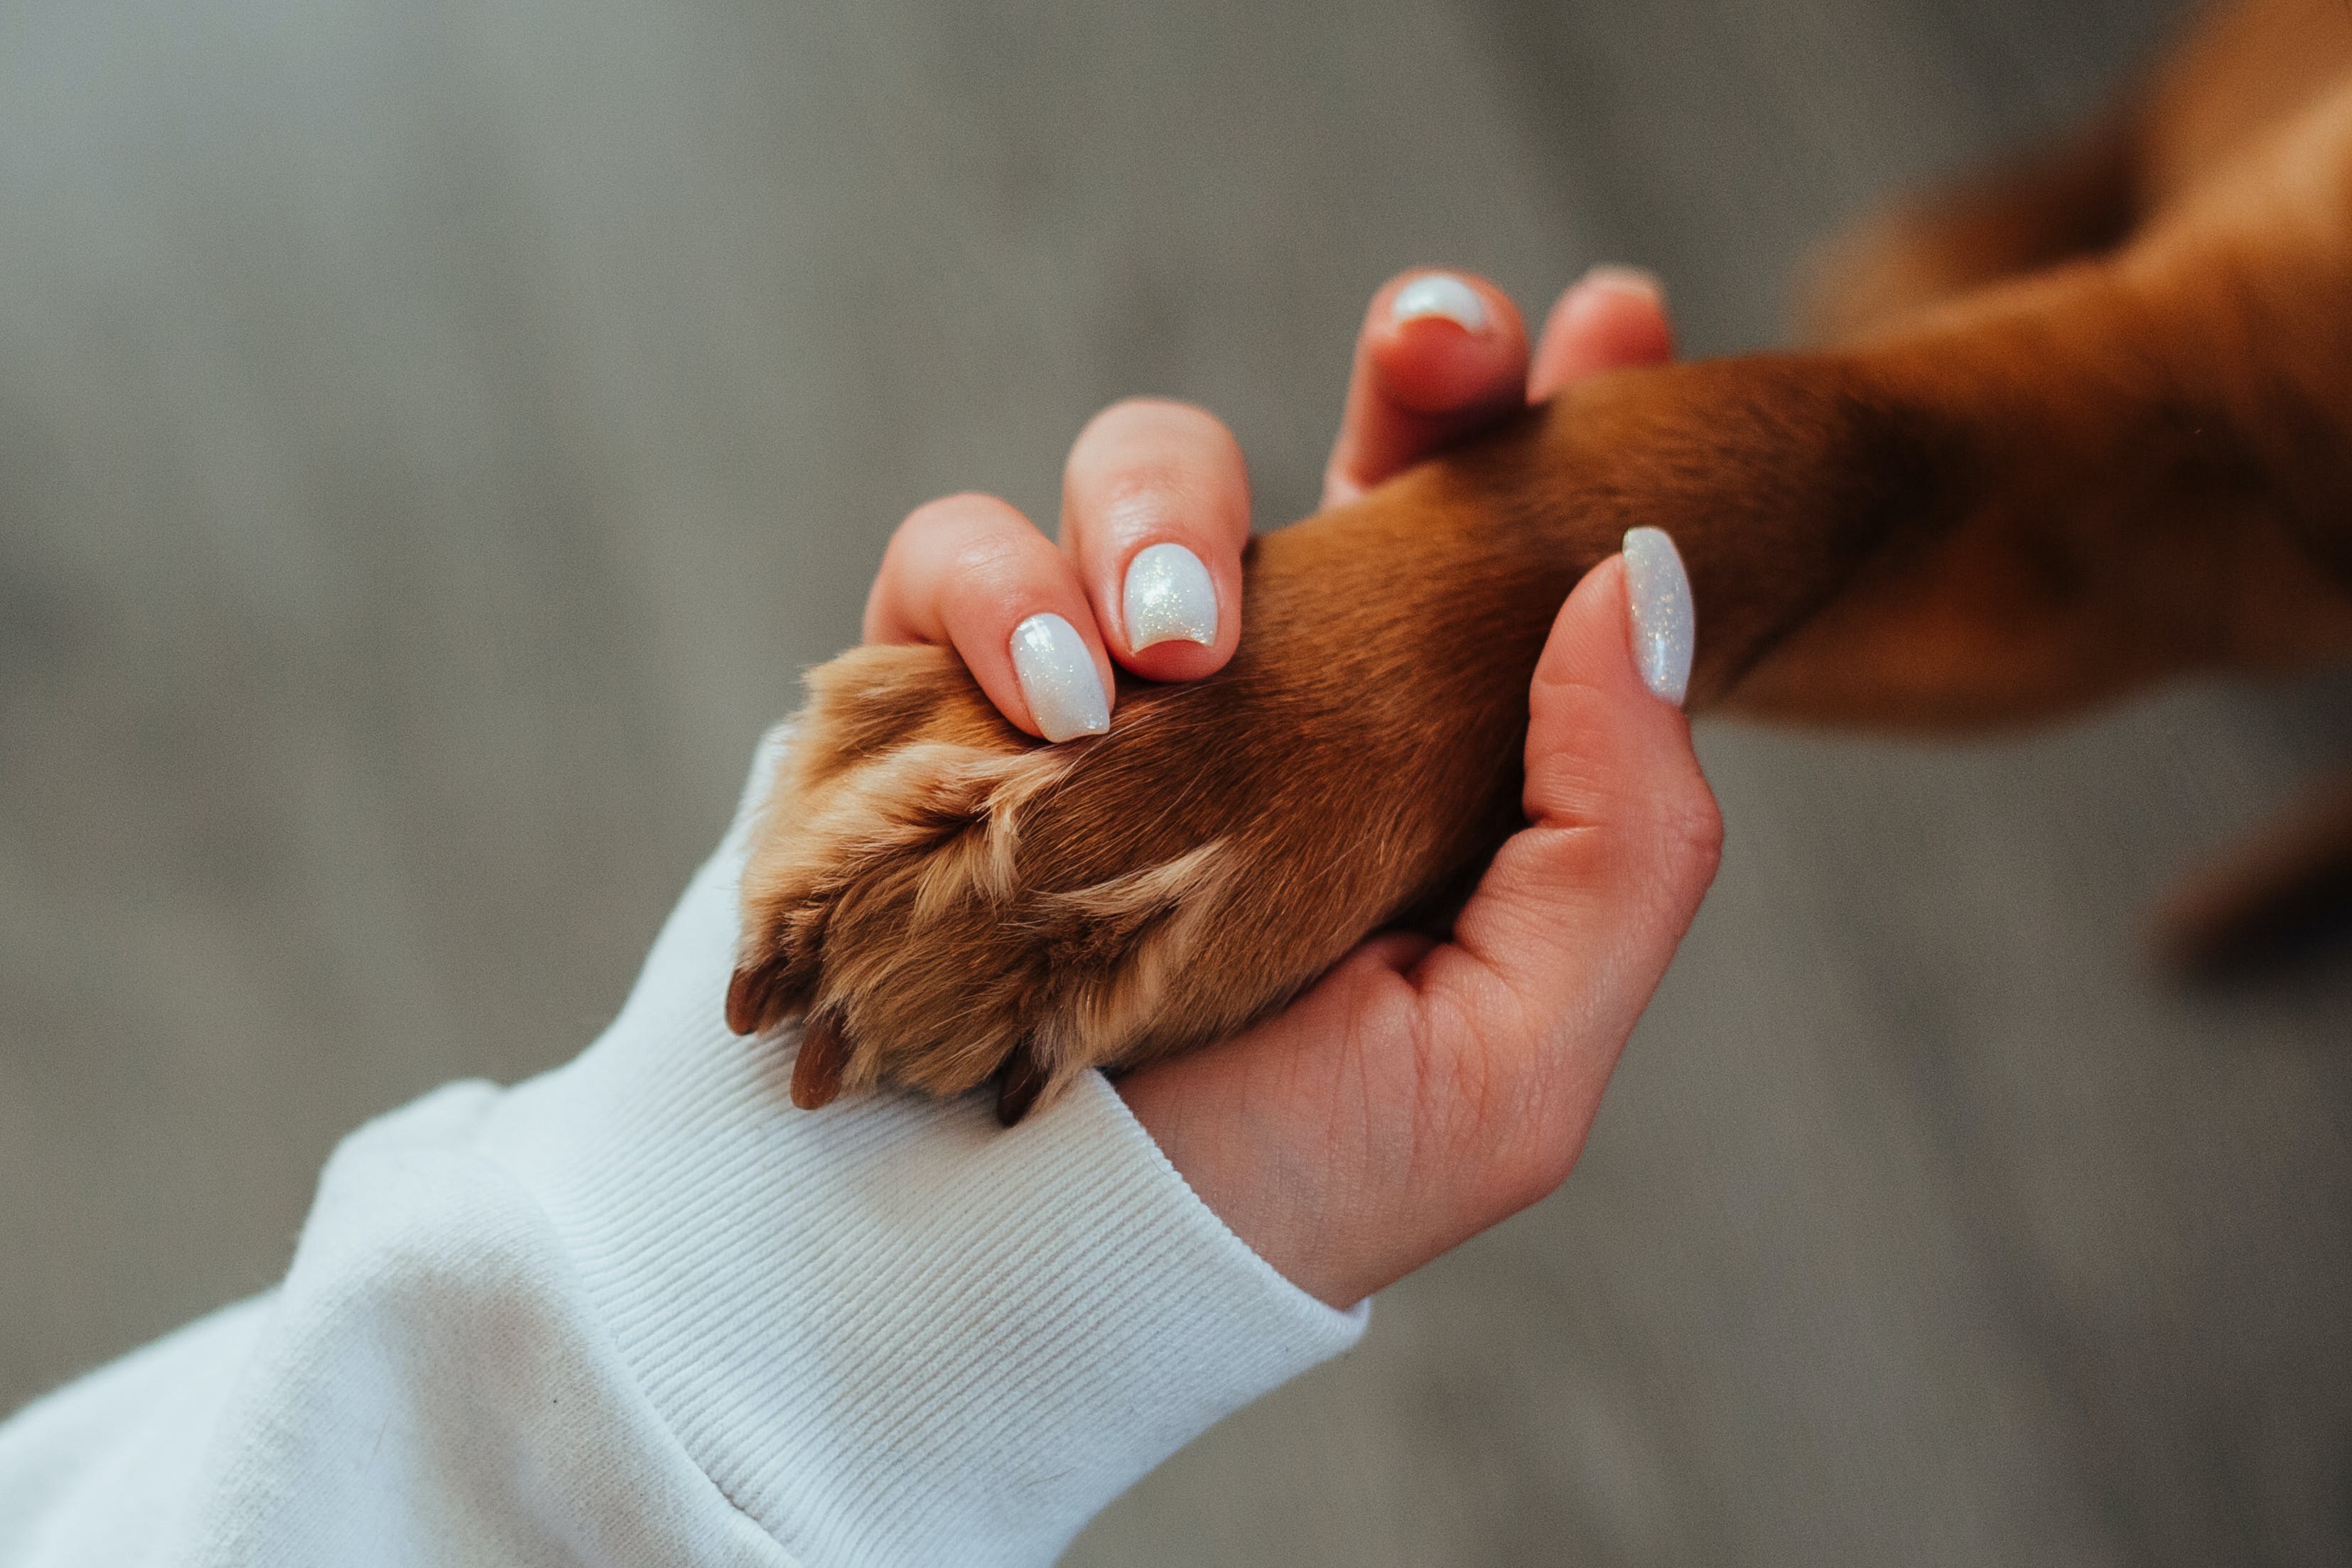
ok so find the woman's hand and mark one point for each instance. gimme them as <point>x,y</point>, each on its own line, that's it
<point>1156,503</point>
<point>1421,1092</point>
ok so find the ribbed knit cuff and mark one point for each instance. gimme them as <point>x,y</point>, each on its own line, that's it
<point>889,1331</point>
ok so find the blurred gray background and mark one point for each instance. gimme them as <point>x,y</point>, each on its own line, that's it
<point>433,435</point>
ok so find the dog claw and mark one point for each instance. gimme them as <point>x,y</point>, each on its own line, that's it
<point>750,998</point>
<point>934,886</point>
<point>1018,1088</point>
<point>816,1072</point>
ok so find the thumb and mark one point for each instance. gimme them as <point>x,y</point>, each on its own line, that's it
<point>1581,912</point>
<point>1609,751</point>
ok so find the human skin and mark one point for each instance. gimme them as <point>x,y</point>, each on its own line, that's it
<point>2076,429</point>
<point>1421,1092</point>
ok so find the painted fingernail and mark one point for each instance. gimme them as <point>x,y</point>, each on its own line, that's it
<point>1439,294</point>
<point>1168,598</point>
<point>1059,677</point>
<point>1627,280</point>
<point>1665,626</point>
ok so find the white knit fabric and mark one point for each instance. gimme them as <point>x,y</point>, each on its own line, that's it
<point>641,1311</point>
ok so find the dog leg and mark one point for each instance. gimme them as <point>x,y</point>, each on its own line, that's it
<point>2074,199</point>
<point>2029,500</point>
<point>2149,453</point>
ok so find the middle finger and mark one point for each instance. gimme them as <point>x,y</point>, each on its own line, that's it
<point>1155,513</point>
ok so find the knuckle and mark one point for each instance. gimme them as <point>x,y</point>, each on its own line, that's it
<point>1562,856</point>
<point>1147,494</point>
<point>1139,434</point>
<point>1140,419</point>
<point>963,515</point>
<point>991,558</point>
<point>1532,1172</point>
<point>1166,413</point>
<point>950,508</point>
<point>1691,827</point>
<point>1128,408</point>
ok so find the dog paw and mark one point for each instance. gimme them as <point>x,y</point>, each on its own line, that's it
<point>944,900</point>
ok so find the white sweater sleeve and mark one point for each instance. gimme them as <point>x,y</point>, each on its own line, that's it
<point>642,1311</point>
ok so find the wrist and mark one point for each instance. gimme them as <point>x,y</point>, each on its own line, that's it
<point>1250,1172</point>
<point>888,1331</point>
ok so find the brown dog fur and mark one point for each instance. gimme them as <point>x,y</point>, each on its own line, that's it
<point>2086,424</point>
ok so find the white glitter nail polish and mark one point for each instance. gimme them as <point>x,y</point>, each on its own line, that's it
<point>1439,294</point>
<point>1665,624</point>
<point>1059,677</point>
<point>1168,597</point>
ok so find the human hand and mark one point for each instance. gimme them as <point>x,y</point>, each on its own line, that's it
<point>1154,482</point>
<point>1420,1093</point>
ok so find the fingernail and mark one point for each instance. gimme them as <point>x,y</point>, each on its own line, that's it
<point>1627,280</point>
<point>1665,626</point>
<point>1168,598</point>
<point>1439,294</point>
<point>1059,677</point>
